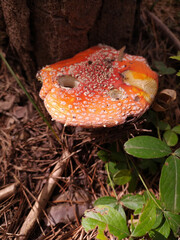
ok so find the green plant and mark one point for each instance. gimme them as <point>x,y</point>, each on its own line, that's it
<point>149,215</point>
<point>177,58</point>
<point>162,69</point>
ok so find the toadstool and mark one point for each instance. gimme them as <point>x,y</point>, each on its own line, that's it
<point>98,88</point>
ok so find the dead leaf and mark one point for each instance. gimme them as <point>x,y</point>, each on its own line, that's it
<point>9,122</point>
<point>64,213</point>
<point>71,204</point>
<point>121,53</point>
<point>73,195</point>
<point>164,99</point>
<point>7,103</point>
<point>158,108</point>
<point>20,112</point>
<point>168,95</point>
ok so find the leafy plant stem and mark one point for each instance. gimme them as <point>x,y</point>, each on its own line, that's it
<point>29,97</point>
<point>127,160</point>
<point>158,132</point>
<point>142,180</point>
<point>110,180</point>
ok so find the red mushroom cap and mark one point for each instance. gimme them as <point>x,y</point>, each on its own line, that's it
<point>96,89</point>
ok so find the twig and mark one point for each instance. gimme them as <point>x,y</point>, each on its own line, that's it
<point>43,197</point>
<point>165,29</point>
<point>8,191</point>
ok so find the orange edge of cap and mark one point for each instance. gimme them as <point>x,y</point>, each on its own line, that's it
<point>141,68</point>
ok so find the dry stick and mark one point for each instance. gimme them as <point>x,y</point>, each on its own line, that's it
<point>43,197</point>
<point>8,191</point>
<point>165,30</point>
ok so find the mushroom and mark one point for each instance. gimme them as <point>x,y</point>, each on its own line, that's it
<point>98,88</point>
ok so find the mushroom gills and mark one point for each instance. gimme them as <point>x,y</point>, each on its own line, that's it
<point>67,82</point>
<point>143,82</point>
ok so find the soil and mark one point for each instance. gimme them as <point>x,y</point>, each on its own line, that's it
<point>29,149</point>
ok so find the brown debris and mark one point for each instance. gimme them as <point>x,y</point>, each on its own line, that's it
<point>166,31</point>
<point>7,103</point>
<point>68,207</point>
<point>43,197</point>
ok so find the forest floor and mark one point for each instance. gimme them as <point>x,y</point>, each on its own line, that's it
<point>29,150</point>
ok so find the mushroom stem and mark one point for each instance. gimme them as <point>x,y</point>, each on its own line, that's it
<point>43,197</point>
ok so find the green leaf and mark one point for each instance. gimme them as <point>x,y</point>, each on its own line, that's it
<point>175,57</point>
<point>146,220</point>
<point>107,219</point>
<point>170,137</point>
<point>133,201</point>
<point>176,129</point>
<point>164,229</point>
<point>122,177</point>
<point>103,155</point>
<point>167,71</point>
<point>108,201</point>
<point>159,218</point>
<point>150,165</point>
<point>174,222</point>
<point>117,156</point>
<point>163,69</point>
<point>177,152</point>
<point>178,73</point>
<point>147,147</point>
<point>169,185</point>
<point>152,117</point>
<point>114,167</point>
<point>134,181</point>
<point>112,202</point>
<point>120,209</point>
<point>159,65</point>
<point>112,155</point>
<point>163,125</point>
<point>160,233</point>
<point>137,211</point>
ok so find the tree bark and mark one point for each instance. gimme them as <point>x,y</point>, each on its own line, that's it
<point>16,17</point>
<point>115,23</point>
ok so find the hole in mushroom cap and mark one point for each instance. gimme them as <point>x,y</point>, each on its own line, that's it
<point>67,81</point>
<point>117,94</point>
<point>137,99</point>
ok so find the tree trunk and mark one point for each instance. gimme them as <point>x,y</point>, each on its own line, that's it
<point>41,32</point>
